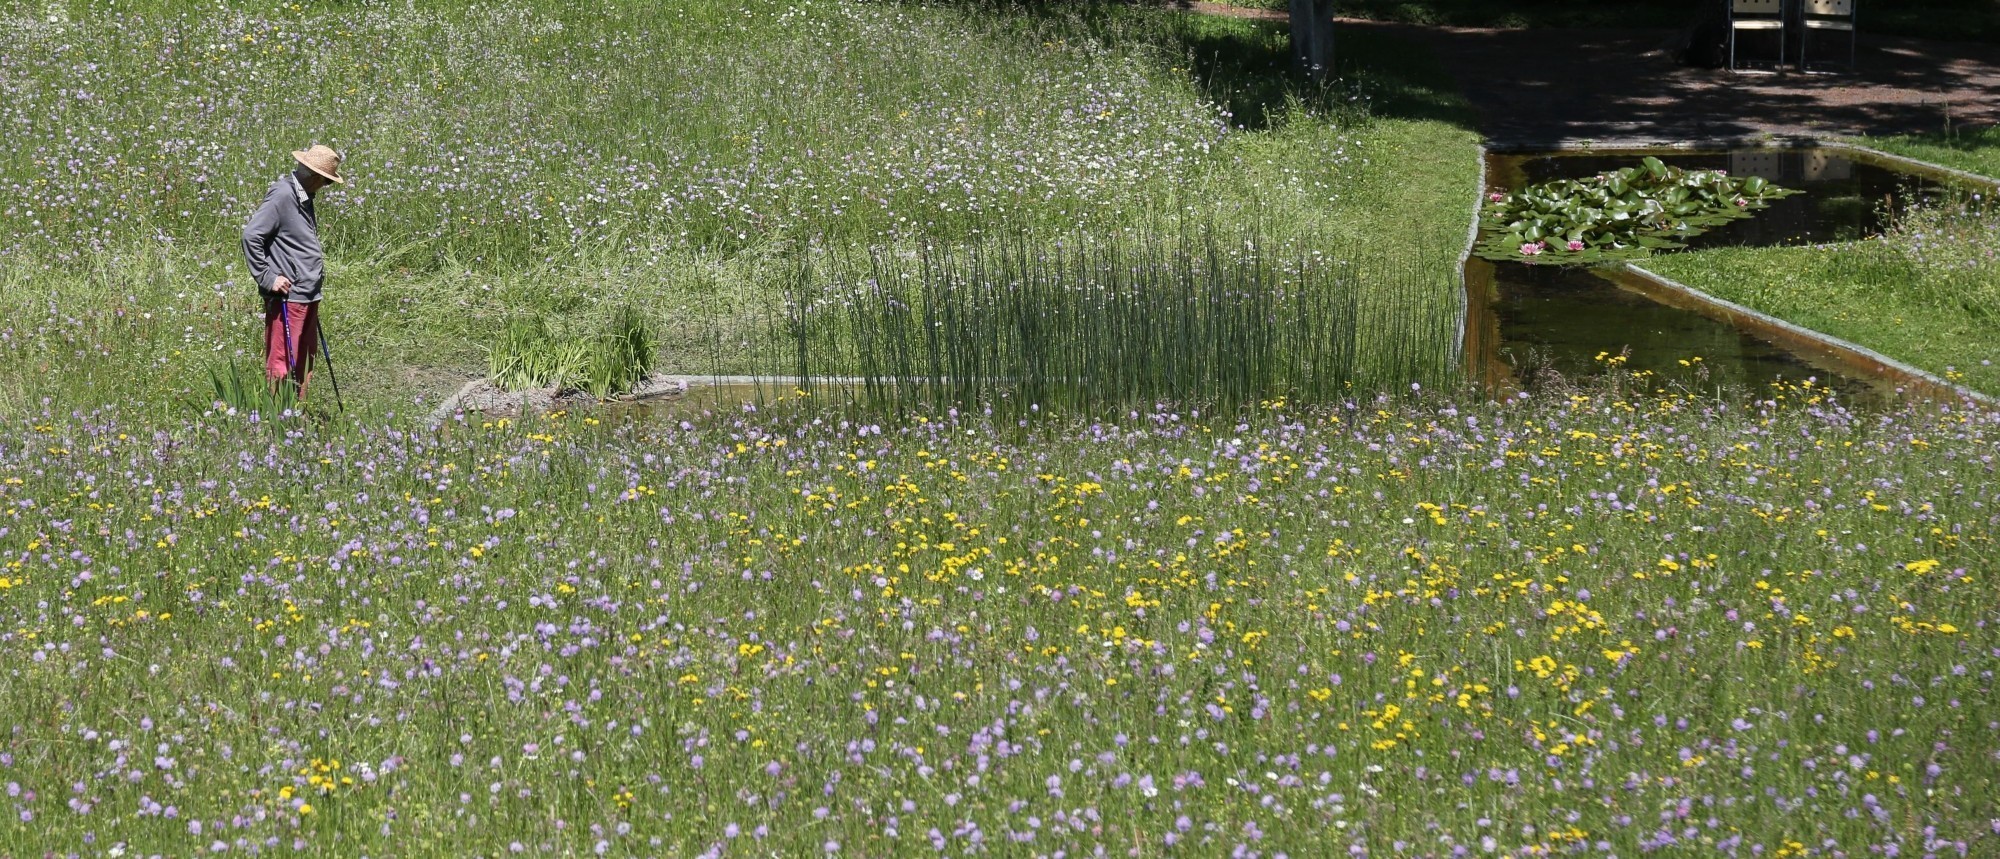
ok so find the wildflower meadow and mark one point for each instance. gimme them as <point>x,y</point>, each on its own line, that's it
<point>563,160</point>
<point>1180,532</point>
<point>1580,626</point>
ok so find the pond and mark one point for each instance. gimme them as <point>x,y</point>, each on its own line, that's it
<point>701,395</point>
<point>1530,324</point>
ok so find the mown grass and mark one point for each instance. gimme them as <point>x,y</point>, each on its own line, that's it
<point>1974,151</point>
<point>1580,625</point>
<point>1924,292</point>
<point>563,160</point>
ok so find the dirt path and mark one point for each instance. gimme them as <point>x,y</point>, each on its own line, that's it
<point>1536,88</point>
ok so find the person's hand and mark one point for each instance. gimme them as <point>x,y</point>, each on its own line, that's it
<point>281,285</point>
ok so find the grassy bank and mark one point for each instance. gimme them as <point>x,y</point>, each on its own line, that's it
<point>1924,292</point>
<point>1576,623</point>
<point>1974,151</point>
<point>562,160</point>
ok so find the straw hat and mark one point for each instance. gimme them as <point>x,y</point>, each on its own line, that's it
<point>322,160</point>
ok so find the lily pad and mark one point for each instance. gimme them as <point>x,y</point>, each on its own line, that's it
<point>1620,215</point>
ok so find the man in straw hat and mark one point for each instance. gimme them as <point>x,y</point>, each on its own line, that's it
<point>281,242</point>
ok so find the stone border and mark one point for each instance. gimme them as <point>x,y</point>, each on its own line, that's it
<point>1749,141</point>
<point>480,396</point>
<point>1465,282</point>
<point>1916,164</point>
<point>1760,141</point>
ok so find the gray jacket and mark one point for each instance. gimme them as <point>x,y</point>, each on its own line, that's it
<point>282,238</point>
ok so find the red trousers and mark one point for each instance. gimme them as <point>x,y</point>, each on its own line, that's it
<point>291,336</point>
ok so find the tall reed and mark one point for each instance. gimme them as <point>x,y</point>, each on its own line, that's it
<point>1201,317</point>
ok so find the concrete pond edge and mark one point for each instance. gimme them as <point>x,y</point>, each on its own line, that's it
<point>1464,257</point>
<point>481,396</point>
<point>1526,147</point>
<point>1953,173</point>
<point>1823,339</point>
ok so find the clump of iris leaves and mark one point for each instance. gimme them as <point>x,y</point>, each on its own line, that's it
<point>528,357</point>
<point>1620,215</point>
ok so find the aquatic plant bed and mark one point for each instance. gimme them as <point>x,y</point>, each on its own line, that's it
<point>1089,325</point>
<point>1578,623</point>
<point>1620,214</point>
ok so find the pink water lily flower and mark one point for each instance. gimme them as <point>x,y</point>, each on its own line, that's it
<point>1742,202</point>
<point>1495,198</point>
<point>1531,248</point>
<point>1576,246</point>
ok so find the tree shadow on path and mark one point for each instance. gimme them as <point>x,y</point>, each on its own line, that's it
<point>1624,87</point>
<point>1243,61</point>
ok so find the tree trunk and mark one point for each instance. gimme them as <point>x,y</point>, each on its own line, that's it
<point>1312,37</point>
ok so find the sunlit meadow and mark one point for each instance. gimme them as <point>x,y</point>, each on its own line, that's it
<point>1424,624</point>
<point>564,159</point>
<point>1580,626</point>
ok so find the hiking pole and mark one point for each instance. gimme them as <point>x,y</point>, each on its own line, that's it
<point>330,374</point>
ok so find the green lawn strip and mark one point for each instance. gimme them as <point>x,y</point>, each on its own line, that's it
<point>1862,292</point>
<point>1976,151</point>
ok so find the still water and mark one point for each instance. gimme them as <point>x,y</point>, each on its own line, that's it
<point>1530,324</point>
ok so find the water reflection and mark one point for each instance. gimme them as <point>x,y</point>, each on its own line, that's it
<point>1531,323</point>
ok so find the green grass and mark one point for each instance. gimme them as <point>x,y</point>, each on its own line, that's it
<point>613,362</point>
<point>1391,625</point>
<point>1925,292</point>
<point>565,160</point>
<point>1555,620</point>
<point>1974,151</point>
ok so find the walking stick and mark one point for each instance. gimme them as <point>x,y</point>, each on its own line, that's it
<point>330,374</point>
